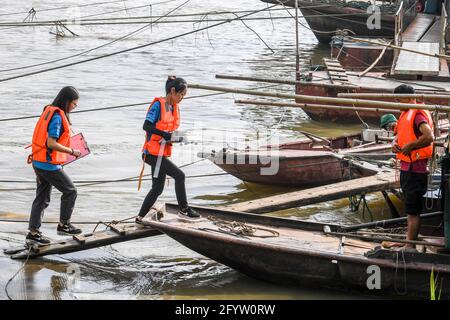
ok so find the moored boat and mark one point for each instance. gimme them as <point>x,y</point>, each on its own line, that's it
<point>306,163</point>
<point>320,85</point>
<point>301,253</point>
<point>326,17</point>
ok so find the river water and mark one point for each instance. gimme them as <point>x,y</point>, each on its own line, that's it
<point>153,268</point>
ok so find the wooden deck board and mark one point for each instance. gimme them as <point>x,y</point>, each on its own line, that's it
<point>288,237</point>
<point>434,33</point>
<point>93,240</point>
<point>418,27</point>
<point>415,64</point>
<point>378,182</point>
<point>376,80</point>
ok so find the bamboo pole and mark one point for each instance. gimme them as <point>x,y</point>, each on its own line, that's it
<point>306,105</point>
<point>437,142</point>
<point>388,222</point>
<point>394,96</point>
<point>381,239</point>
<point>312,83</point>
<point>318,100</point>
<point>375,62</point>
<point>435,55</point>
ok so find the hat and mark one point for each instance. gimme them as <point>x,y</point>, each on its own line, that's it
<point>386,119</point>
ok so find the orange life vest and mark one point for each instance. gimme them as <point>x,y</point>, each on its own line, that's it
<point>40,136</point>
<point>169,121</point>
<point>405,134</point>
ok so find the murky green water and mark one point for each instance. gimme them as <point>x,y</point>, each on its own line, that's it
<point>154,268</point>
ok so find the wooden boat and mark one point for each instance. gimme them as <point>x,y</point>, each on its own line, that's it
<point>321,85</point>
<point>305,163</point>
<point>325,17</point>
<point>302,253</point>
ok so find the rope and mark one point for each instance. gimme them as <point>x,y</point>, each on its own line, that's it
<point>47,24</point>
<point>62,8</point>
<point>18,271</point>
<point>132,105</point>
<point>108,224</point>
<point>405,291</point>
<point>133,48</point>
<point>135,32</point>
<point>315,30</point>
<point>116,21</point>
<point>54,222</point>
<point>241,229</point>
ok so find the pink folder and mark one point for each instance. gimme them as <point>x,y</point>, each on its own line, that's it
<point>78,142</point>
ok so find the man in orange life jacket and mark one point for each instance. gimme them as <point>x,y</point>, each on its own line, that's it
<point>413,146</point>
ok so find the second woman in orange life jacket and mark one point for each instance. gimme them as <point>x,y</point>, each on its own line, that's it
<point>50,147</point>
<point>163,118</point>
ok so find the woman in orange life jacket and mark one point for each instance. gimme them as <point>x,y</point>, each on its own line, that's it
<point>162,119</point>
<point>50,147</point>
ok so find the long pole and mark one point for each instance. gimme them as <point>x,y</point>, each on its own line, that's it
<point>311,83</point>
<point>318,100</point>
<point>306,105</point>
<point>394,96</point>
<point>434,55</point>
<point>297,54</point>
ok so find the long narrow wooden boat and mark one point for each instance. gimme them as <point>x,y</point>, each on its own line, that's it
<point>321,85</point>
<point>304,163</point>
<point>325,17</point>
<point>302,254</point>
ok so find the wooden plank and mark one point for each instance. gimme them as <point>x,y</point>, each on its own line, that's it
<point>87,241</point>
<point>434,33</point>
<point>335,70</point>
<point>339,69</point>
<point>418,27</point>
<point>444,71</point>
<point>378,182</point>
<point>416,64</point>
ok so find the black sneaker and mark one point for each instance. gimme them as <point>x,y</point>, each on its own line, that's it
<point>138,221</point>
<point>68,229</point>
<point>37,238</point>
<point>189,213</point>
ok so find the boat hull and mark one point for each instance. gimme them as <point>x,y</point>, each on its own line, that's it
<point>324,18</point>
<point>300,172</point>
<point>373,83</point>
<point>283,262</point>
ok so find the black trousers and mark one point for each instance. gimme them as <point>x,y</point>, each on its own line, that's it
<point>167,168</point>
<point>45,180</point>
<point>414,186</point>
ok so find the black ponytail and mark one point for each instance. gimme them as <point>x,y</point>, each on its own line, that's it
<point>178,83</point>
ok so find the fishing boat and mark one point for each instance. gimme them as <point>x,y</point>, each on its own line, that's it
<point>374,82</point>
<point>302,254</point>
<point>419,60</point>
<point>309,162</point>
<point>326,17</point>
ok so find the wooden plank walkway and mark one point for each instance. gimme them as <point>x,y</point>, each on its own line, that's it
<point>418,27</point>
<point>120,233</point>
<point>378,182</point>
<point>434,33</point>
<point>410,63</point>
<point>335,71</point>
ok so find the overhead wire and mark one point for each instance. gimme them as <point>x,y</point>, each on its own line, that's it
<point>134,104</point>
<point>63,8</point>
<point>134,48</point>
<point>128,35</point>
